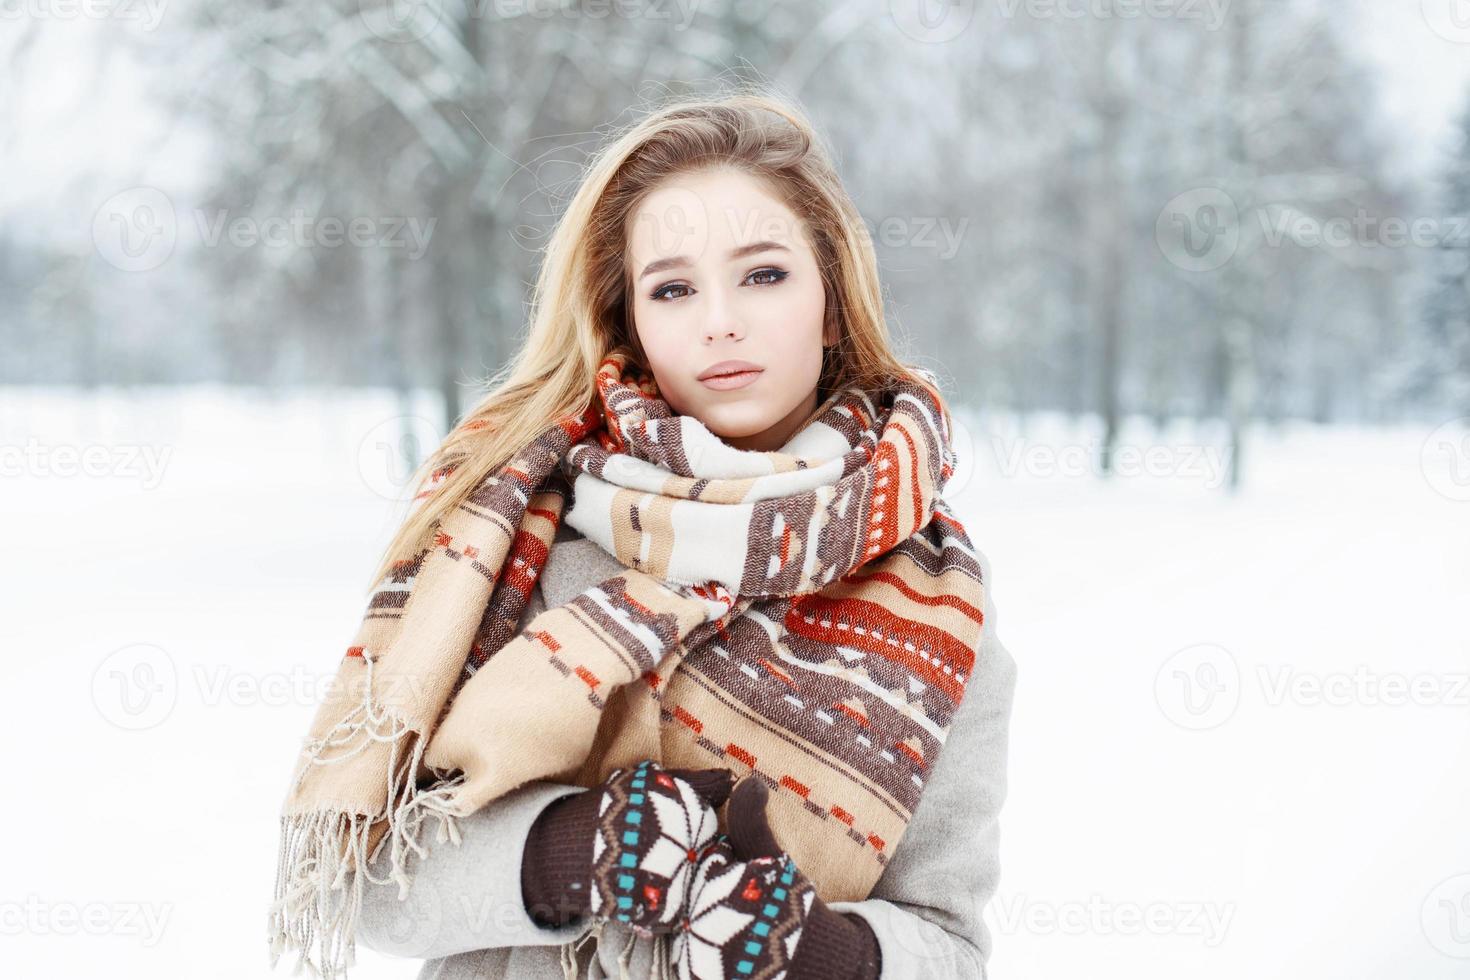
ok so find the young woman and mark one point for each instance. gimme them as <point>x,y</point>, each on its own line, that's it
<point>674,639</point>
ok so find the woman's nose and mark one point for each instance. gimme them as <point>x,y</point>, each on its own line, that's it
<point>722,322</point>
<point>728,329</point>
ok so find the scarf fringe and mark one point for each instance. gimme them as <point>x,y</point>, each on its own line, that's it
<point>662,967</point>
<point>318,849</point>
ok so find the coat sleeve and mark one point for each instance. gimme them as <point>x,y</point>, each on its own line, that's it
<point>926,909</point>
<point>464,897</point>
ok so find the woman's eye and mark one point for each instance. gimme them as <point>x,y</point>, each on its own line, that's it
<point>662,291</point>
<point>779,274</point>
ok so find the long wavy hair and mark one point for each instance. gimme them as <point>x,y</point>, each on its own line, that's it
<point>581,306</point>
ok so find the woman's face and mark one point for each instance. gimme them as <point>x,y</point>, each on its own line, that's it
<point>723,271</point>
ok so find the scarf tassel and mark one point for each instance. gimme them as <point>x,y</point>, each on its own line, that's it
<point>318,849</point>
<point>662,967</point>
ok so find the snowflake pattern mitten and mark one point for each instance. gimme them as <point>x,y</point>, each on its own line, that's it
<point>651,827</point>
<point>625,851</point>
<point>744,918</point>
<point>753,914</point>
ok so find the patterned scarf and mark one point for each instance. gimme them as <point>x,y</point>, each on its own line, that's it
<point>810,615</point>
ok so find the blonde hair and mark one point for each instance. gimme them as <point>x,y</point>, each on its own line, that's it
<point>580,308</point>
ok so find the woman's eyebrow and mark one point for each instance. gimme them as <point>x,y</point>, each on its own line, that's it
<point>674,261</point>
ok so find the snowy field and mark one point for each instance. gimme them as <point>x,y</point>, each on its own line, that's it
<point>1240,748</point>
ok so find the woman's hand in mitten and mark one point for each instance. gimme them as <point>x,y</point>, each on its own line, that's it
<point>752,912</point>
<point>624,851</point>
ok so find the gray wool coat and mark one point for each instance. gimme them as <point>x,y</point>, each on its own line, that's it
<point>464,915</point>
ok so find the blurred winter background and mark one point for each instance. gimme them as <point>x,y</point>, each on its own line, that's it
<point>1194,271</point>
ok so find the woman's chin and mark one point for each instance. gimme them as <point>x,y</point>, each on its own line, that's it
<point>736,421</point>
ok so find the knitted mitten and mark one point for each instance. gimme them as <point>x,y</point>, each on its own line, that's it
<point>625,850</point>
<point>751,912</point>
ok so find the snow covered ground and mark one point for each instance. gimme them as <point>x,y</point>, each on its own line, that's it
<point>1240,747</point>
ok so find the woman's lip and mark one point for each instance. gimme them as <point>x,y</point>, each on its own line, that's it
<point>728,382</point>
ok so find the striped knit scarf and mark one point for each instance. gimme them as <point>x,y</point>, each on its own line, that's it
<point>823,595</point>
